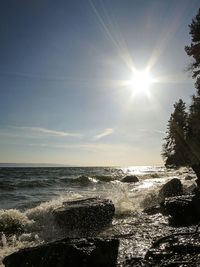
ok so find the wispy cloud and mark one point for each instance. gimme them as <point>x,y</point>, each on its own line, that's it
<point>44,131</point>
<point>151,131</point>
<point>107,131</point>
<point>92,147</point>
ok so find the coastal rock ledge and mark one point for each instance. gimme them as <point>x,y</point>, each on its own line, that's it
<point>84,217</point>
<point>68,252</point>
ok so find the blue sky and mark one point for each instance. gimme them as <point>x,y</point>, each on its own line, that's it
<point>63,72</point>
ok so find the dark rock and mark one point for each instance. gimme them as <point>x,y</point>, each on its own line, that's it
<point>85,216</point>
<point>153,210</point>
<point>130,179</point>
<point>185,210</point>
<point>181,209</point>
<point>185,248</point>
<point>172,188</point>
<point>88,252</point>
<point>135,261</point>
<point>176,249</point>
<point>196,204</point>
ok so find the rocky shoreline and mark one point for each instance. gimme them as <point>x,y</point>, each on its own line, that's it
<point>87,241</point>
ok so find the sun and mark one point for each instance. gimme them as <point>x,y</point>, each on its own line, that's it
<point>141,81</point>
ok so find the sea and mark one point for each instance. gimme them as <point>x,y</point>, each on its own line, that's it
<point>29,195</point>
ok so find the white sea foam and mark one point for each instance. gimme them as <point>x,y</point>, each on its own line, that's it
<point>13,219</point>
<point>4,240</point>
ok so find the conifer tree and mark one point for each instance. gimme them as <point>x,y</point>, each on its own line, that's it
<point>175,146</point>
<point>194,49</point>
<point>193,133</point>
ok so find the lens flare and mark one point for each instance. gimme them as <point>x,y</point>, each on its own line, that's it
<point>141,81</point>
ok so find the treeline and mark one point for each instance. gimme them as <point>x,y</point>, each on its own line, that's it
<point>182,142</point>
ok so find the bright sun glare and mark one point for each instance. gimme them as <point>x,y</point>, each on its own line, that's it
<point>141,82</point>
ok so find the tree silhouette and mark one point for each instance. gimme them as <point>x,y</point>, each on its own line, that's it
<point>193,133</point>
<point>175,150</point>
<point>194,49</point>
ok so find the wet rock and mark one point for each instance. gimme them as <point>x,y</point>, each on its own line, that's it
<point>84,217</point>
<point>153,210</point>
<point>176,249</point>
<point>130,179</point>
<point>172,188</point>
<point>181,210</point>
<point>88,252</point>
<point>184,210</point>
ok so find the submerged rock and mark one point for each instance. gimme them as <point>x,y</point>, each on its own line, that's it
<point>130,179</point>
<point>83,252</point>
<point>84,217</point>
<point>172,188</point>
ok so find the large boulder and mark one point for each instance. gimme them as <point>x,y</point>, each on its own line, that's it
<point>88,252</point>
<point>184,210</point>
<point>172,188</point>
<point>130,179</point>
<point>84,217</point>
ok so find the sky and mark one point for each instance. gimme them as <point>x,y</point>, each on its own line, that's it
<point>66,72</point>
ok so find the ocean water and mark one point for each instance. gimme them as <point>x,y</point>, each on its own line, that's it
<point>29,195</point>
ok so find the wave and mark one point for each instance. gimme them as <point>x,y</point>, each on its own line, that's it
<point>86,180</point>
<point>127,198</point>
<point>80,180</point>
<point>107,178</point>
<point>41,178</point>
<point>7,186</point>
<point>35,183</point>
